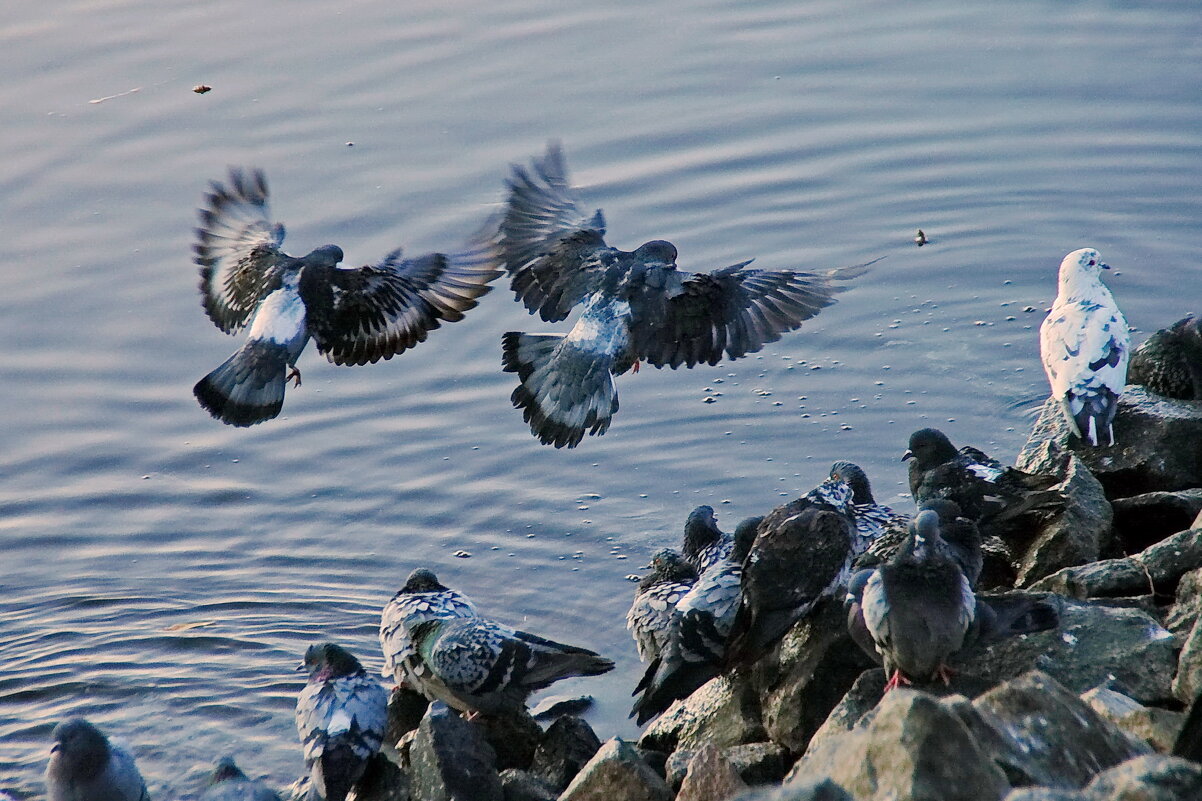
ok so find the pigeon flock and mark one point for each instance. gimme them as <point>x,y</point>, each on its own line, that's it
<point>909,583</point>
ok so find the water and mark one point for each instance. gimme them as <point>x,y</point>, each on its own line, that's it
<point>164,573</point>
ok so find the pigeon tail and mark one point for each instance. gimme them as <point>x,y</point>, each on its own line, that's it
<point>566,391</point>
<point>1092,414</point>
<point>666,681</point>
<point>248,387</point>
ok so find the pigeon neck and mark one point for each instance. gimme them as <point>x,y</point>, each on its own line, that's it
<point>1076,284</point>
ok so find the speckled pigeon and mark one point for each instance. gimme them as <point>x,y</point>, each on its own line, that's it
<point>1003,501</point>
<point>801,554</point>
<point>341,716</point>
<point>704,544</point>
<point>482,667</point>
<point>960,535</point>
<point>229,783</point>
<point>1169,362</point>
<point>655,600</point>
<point>85,766</point>
<point>873,520</point>
<point>637,306</point>
<point>355,316</point>
<point>423,597</point>
<point>700,626</point>
<point>1085,344</point>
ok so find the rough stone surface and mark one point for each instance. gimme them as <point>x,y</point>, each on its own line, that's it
<point>1144,519</point>
<point>382,781</point>
<point>710,777</point>
<point>1043,794</point>
<point>724,711</point>
<point>756,763</point>
<point>1063,742</point>
<point>1187,684</point>
<point>567,746</point>
<point>1157,568</point>
<point>513,738</point>
<point>449,759</point>
<point>823,790</point>
<point>1074,537</point>
<point>1148,778</point>
<point>405,711</point>
<point>1187,605</point>
<point>617,772</point>
<point>518,785</point>
<point>1157,727</point>
<point>868,689</point>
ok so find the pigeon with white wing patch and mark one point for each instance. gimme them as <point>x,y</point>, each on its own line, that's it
<point>422,598</point>
<point>655,600</point>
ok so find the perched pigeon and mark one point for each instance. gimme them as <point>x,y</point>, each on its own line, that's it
<point>356,316</point>
<point>650,614</point>
<point>1085,344</point>
<point>1002,500</point>
<point>916,609</point>
<point>873,520</point>
<point>1170,361</point>
<point>481,667</point>
<point>704,543</point>
<point>961,535</point>
<point>85,766</point>
<point>422,598</point>
<point>801,554</point>
<point>699,628</point>
<point>340,716</point>
<point>228,783</point>
<point>637,306</point>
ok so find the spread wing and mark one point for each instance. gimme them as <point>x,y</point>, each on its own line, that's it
<point>237,248</point>
<point>374,312</point>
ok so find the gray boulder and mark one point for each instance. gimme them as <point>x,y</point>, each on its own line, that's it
<point>1043,794</point>
<point>724,711</point>
<point>1075,536</point>
<point>822,790</point>
<point>513,736</point>
<point>518,785</point>
<point>405,711</point>
<point>1155,726</point>
<point>1148,778</point>
<point>450,761</point>
<point>382,781</point>
<point>567,746</point>
<point>1187,605</point>
<point>616,772</point>
<point>756,763</point>
<point>710,777</point>
<point>1157,568</point>
<point>1141,520</point>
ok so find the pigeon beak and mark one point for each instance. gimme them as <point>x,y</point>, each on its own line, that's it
<point>1104,265</point>
<point>907,455</point>
<point>301,666</point>
<point>54,748</point>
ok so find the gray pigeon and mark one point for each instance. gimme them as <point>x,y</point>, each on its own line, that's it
<point>423,597</point>
<point>873,520</point>
<point>356,316</point>
<point>85,766</point>
<point>229,783</point>
<point>655,600</point>
<point>637,306</point>
<point>704,545</point>
<point>481,667</point>
<point>340,716</point>
<point>961,535</point>
<point>1170,361</point>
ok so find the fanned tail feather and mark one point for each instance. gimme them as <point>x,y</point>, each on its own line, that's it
<point>248,387</point>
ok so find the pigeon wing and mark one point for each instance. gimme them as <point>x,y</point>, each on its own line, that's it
<point>650,616</point>
<point>1085,346</point>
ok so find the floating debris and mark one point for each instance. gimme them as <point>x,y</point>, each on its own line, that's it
<point>201,88</point>
<point>920,238</point>
<point>462,554</point>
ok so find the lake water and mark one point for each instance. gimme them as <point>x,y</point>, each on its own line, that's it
<point>163,573</point>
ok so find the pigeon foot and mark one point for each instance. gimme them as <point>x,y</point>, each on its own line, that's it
<point>897,680</point>
<point>293,375</point>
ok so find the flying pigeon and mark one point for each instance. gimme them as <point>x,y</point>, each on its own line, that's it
<point>1001,500</point>
<point>916,609</point>
<point>422,598</point>
<point>801,554</point>
<point>85,766</point>
<point>695,647</point>
<point>873,520</point>
<point>1170,361</point>
<point>637,306</point>
<point>960,535</point>
<point>704,543</point>
<point>1085,344</point>
<point>228,783</point>
<point>341,716</point>
<point>658,592</point>
<point>355,316</point>
<point>482,667</point>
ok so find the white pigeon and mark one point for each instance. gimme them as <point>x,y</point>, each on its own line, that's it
<point>1085,345</point>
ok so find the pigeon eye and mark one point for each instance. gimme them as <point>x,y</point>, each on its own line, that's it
<point>1092,262</point>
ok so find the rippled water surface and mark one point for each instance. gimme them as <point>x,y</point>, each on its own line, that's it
<point>163,573</point>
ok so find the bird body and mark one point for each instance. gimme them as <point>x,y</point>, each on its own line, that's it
<point>1085,345</point>
<point>422,598</point>
<point>85,766</point>
<point>873,520</point>
<point>704,544</point>
<point>959,534</point>
<point>656,599</point>
<point>229,783</point>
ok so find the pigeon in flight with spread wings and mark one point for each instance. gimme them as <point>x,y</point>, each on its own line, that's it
<point>637,306</point>
<point>355,315</point>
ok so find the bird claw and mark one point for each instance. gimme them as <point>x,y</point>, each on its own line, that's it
<point>637,362</point>
<point>897,680</point>
<point>945,673</point>
<point>293,375</point>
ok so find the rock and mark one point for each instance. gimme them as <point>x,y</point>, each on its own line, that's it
<point>1155,726</point>
<point>449,759</point>
<point>868,689</point>
<point>382,781</point>
<point>710,777</point>
<point>1157,568</point>
<point>1159,445</point>
<point>405,710</point>
<point>1094,644</point>
<point>1075,536</point>
<point>1148,778</point>
<point>724,711</point>
<point>518,785</point>
<point>824,790</point>
<point>1144,519</point>
<point>616,772</point>
<point>756,763</point>
<point>1043,794</point>
<point>911,748</point>
<point>1169,362</point>
<point>513,738</point>
<point>568,744</point>
<point>554,706</point>
<point>656,760</point>
<point>1187,605</point>
<point>1060,740</point>
<point>1187,684</point>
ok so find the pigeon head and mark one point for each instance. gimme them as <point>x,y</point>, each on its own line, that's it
<point>656,251</point>
<point>1080,273</point>
<point>1085,260</point>
<point>834,492</point>
<point>668,565</point>
<point>325,256</point>
<point>700,530</point>
<point>853,476</point>
<point>744,538</point>
<point>929,447</point>
<point>924,540</point>
<point>225,770</point>
<point>422,580</point>
<point>80,749</point>
<point>326,661</point>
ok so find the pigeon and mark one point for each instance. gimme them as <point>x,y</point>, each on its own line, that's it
<point>422,598</point>
<point>658,593</point>
<point>1085,344</point>
<point>228,783</point>
<point>1170,361</point>
<point>960,535</point>
<point>704,543</point>
<point>85,766</point>
<point>801,554</point>
<point>479,666</point>
<point>1001,500</point>
<point>637,306</point>
<point>699,628</point>
<point>873,520</point>
<point>341,715</point>
<point>355,316</point>
<point>916,609</point>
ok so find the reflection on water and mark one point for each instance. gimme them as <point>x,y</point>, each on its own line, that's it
<point>164,573</point>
